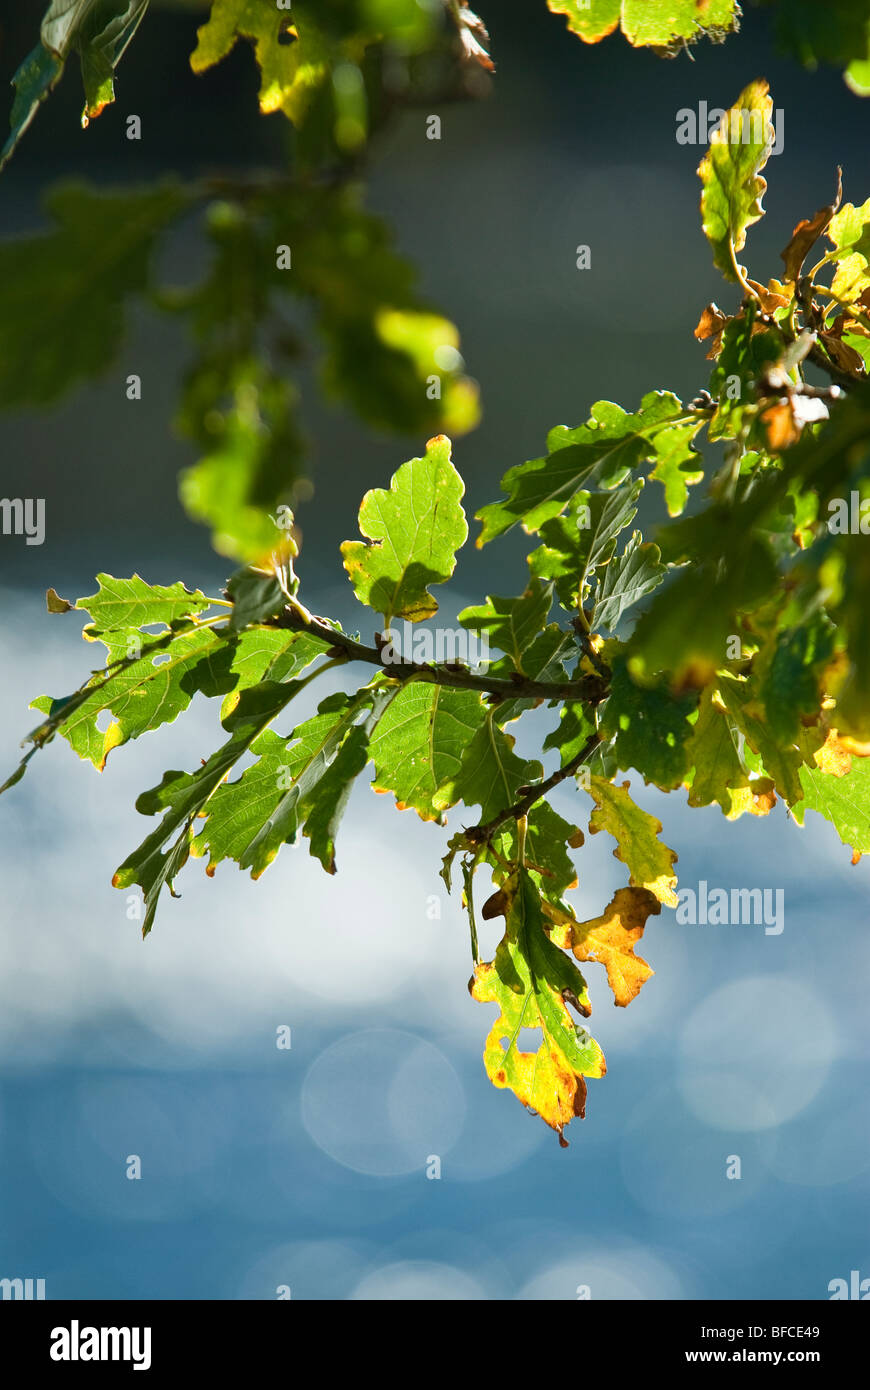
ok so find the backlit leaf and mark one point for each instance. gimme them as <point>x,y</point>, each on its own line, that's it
<point>533,983</point>
<point>649,23</point>
<point>650,863</point>
<point>611,938</point>
<point>99,32</point>
<point>730,175</point>
<point>418,746</point>
<point>413,531</point>
<point>607,447</point>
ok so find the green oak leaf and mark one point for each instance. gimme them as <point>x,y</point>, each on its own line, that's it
<point>574,730</point>
<point>413,531</point>
<point>99,32</point>
<point>543,660</point>
<point>627,579</point>
<point>576,543</point>
<point>843,800</point>
<point>309,774</point>
<point>607,447</point>
<point>491,774</point>
<point>548,838</point>
<point>326,805</point>
<point>849,230</point>
<point>290,71</point>
<point>141,694</point>
<point>512,624</point>
<point>685,630</point>
<point>310,753</point>
<point>662,24</point>
<point>743,358</point>
<point>781,763</point>
<point>258,654</point>
<point>119,604</point>
<point>717,773</point>
<point>790,676</point>
<point>182,797</point>
<point>299,52</point>
<point>649,727</point>
<point>732,186</point>
<point>256,596</point>
<point>145,692</point>
<point>253,456</point>
<point>678,464</point>
<point>418,746</point>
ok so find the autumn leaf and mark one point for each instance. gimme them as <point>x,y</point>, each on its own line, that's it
<point>533,983</point>
<point>611,938</point>
<point>807,233</point>
<point>732,187</point>
<point>650,863</point>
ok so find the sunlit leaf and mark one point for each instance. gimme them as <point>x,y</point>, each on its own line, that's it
<point>412,533</point>
<point>533,983</point>
<point>650,863</point>
<point>731,178</point>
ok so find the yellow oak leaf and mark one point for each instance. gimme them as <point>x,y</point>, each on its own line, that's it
<point>611,938</point>
<point>650,863</point>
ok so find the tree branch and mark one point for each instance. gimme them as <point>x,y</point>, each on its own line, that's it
<point>481,834</point>
<point>590,689</point>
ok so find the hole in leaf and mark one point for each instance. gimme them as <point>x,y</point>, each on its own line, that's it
<point>286,35</point>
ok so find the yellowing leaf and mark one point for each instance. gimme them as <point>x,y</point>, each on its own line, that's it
<point>611,938</point>
<point>836,754</point>
<point>533,982</point>
<point>849,230</point>
<point>650,863</point>
<point>717,774</point>
<point>851,279</point>
<point>292,63</point>
<point>649,23</point>
<point>730,174</point>
<point>836,784</point>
